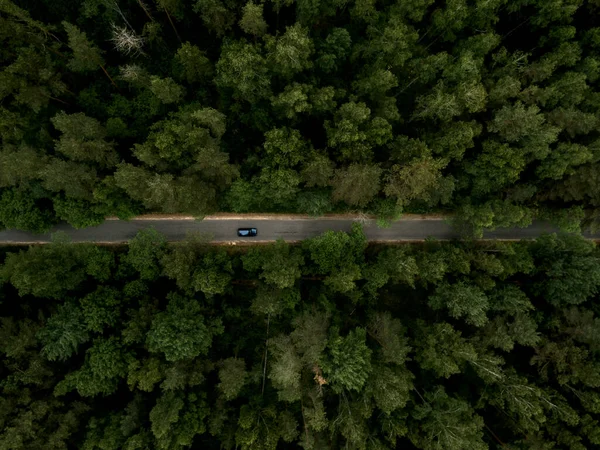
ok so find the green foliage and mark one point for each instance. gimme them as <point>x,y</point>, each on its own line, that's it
<point>207,272</point>
<point>101,309</point>
<point>462,300</point>
<point>349,364</point>
<point>498,166</point>
<point>415,180</point>
<point>339,255</point>
<point>286,369</point>
<point>144,375</point>
<point>249,106</point>
<point>299,352</point>
<point>571,268</point>
<point>241,197</point>
<point>232,377</point>
<point>20,165</point>
<point>513,123</point>
<point>64,332</point>
<point>144,253</point>
<point>280,264</point>
<point>166,192</point>
<point>317,170</point>
<point>31,80</point>
<point>487,109</point>
<point>189,139</point>
<point>83,139</point>
<point>355,134</point>
<point>166,90</point>
<point>191,64</point>
<point>444,422</point>
<point>390,335</point>
<point>86,56</point>
<point>294,100</point>
<point>47,271</point>
<point>314,203</point>
<point>214,276</point>
<point>19,210</point>
<point>284,147</point>
<point>472,220</point>
<point>357,185</point>
<point>105,364</point>
<point>252,21</point>
<point>438,105</point>
<point>180,332</point>
<point>391,389</point>
<point>390,43</point>
<point>254,428</point>
<point>272,301</point>
<point>334,50</point>
<point>165,413</point>
<point>376,84</point>
<point>291,53</point>
<point>79,213</point>
<point>391,265</point>
<point>310,355</point>
<point>562,160</point>
<point>280,186</point>
<point>568,220</point>
<point>442,350</point>
<point>75,180</point>
<point>216,15</point>
<point>243,69</point>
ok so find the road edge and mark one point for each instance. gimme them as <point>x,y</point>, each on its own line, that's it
<point>269,216</point>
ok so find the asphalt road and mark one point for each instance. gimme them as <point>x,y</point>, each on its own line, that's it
<point>224,230</point>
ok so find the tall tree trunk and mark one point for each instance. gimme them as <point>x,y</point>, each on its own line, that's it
<point>172,24</point>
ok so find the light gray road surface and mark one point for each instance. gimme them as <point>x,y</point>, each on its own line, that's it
<point>224,230</point>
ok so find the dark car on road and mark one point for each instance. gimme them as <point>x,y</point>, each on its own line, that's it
<point>247,232</point>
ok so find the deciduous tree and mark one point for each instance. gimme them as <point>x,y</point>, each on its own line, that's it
<point>84,139</point>
<point>180,332</point>
<point>357,184</point>
<point>252,21</point>
<point>291,53</point>
<point>242,68</point>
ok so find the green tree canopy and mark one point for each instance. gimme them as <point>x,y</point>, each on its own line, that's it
<point>180,332</point>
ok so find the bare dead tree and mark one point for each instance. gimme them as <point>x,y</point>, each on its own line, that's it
<point>126,41</point>
<point>362,218</point>
<point>133,73</point>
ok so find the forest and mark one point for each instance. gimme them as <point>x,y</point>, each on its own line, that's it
<point>329,344</point>
<point>485,109</point>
